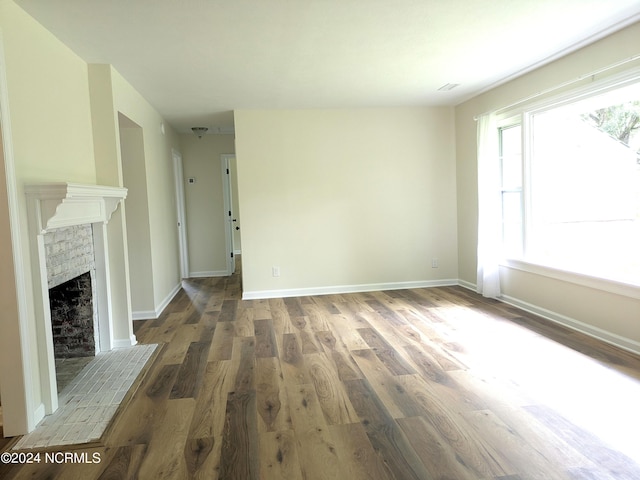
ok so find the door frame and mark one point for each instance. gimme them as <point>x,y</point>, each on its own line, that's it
<point>229,217</point>
<point>181,214</point>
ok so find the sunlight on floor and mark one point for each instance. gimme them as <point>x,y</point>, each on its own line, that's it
<point>598,399</point>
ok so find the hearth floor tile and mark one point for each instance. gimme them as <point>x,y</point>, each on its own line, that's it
<point>89,402</point>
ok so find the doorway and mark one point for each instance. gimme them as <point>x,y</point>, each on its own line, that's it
<point>232,221</point>
<point>181,214</point>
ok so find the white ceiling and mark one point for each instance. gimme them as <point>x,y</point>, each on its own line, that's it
<point>197,60</point>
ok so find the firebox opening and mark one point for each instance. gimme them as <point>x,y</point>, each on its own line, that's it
<point>72,318</point>
<point>72,322</point>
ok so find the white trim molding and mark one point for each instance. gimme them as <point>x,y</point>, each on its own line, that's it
<point>212,273</point>
<point>566,321</point>
<point>125,342</point>
<point>597,283</point>
<point>338,289</point>
<point>56,205</point>
<point>573,324</point>
<point>153,314</point>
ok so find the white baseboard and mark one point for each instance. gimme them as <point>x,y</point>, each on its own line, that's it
<point>160,308</point>
<point>125,342</point>
<point>338,289</point>
<point>213,273</point>
<point>571,323</point>
<point>595,332</point>
<point>153,314</point>
<point>467,285</point>
<point>144,315</point>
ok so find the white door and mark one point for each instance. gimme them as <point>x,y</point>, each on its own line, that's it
<point>182,226</point>
<point>230,222</point>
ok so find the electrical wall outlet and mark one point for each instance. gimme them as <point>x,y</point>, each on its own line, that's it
<point>275,271</point>
<point>434,263</point>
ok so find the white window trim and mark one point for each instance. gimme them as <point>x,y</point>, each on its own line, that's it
<point>585,280</point>
<point>522,114</point>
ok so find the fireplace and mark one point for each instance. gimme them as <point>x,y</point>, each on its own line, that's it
<point>70,261</point>
<point>69,238</point>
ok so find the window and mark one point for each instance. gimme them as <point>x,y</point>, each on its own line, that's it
<point>511,189</point>
<point>570,184</point>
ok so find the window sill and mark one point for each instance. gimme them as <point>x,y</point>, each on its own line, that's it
<point>611,286</point>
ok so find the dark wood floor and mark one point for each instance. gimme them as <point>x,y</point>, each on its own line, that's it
<point>412,384</point>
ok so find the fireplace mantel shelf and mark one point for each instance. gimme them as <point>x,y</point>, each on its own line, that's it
<point>57,205</point>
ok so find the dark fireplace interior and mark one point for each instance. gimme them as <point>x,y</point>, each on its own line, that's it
<point>72,318</point>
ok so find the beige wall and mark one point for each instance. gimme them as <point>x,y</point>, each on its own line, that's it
<point>204,202</point>
<point>138,230</point>
<point>48,100</point>
<point>160,185</point>
<point>610,314</point>
<point>350,198</point>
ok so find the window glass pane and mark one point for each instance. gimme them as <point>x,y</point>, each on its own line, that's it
<point>585,186</point>
<point>511,156</point>
<point>512,223</point>
<point>511,207</point>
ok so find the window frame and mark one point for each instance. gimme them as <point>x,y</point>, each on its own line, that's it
<point>522,114</point>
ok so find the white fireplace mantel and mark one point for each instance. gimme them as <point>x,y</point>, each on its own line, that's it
<point>65,204</point>
<point>57,205</point>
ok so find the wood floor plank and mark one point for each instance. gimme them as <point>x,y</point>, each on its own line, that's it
<point>317,315</point>
<point>294,369</point>
<point>608,460</point>
<point>316,448</point>
<point>439,459</point>
<point>357,453</point>
<point>177,348</point>
<point>200,457</point>
<point>162,384</point>
<point>522,457</point>
<point>173,423</point>
<point>228,311</point>
<point>346,333</point>
<point>482,456</point>
<point>243,362</point>
<point>124,463</point>
<point>264,333</point>
<point>191,371</point>
<point>239,454</point>
<point>209,412</point>
<point>222,343</point>
<point>386,386</point>
<point>333,400</point>
<point>271,398</point>
<point>279,456</point>
<point>385,435</point>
